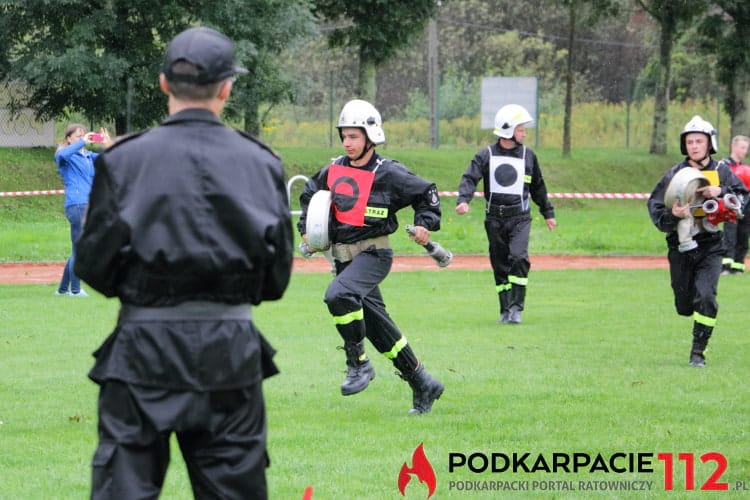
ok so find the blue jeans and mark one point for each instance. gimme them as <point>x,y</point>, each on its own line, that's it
<point>75,215</point>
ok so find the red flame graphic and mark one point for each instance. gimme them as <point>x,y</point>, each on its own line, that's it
<point>421,468</point>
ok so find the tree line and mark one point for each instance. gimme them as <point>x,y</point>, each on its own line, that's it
<point>101,58</point>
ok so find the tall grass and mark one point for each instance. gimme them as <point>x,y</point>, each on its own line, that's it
<point>593,125</point>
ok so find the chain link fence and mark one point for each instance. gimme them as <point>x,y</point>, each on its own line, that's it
<point>21,129</point>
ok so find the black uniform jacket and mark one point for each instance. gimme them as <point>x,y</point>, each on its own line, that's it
<point>479,168</point>
<point>190,210</point>
<point>394,187</point>
<point>661,215</point>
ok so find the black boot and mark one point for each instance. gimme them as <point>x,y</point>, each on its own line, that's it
<point>517,301</point>
<point>701,334</point>
<point>359,370</point>
<point>504,298</point>
<point>426,389</point>
<point>514,315</point>
<point>726,266</point>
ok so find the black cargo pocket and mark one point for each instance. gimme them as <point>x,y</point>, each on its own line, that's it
<point>267,353</point>
<point>103,454</point>
<point>101,484</point>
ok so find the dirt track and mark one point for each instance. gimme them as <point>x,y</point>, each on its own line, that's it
<point>41,273</point>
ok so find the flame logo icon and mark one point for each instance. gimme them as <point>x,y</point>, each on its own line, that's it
<point>421,468</point>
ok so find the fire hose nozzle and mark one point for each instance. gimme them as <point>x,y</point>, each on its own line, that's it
<point>732,202</point>
<point>441,256</point>
<point>725,209</point>
<point>710,206</point>
<point>304,250</point>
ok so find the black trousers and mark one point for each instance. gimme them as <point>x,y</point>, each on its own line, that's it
<point>508,239</point>
<point>356,287</point>
<point>736,239</point>
<point>695,277</point>
<point>222,437</point>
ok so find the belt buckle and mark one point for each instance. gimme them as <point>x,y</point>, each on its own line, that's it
<point>497,210</point>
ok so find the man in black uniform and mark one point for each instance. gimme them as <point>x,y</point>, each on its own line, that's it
<point>511,174</point>
<point>366,191</point>
<point>188,225</point>
<point>736,234</point>
<point>694,250</point>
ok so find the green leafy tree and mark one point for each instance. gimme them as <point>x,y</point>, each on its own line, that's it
<point>459,96</point>
<point>84,56</point>
<point>481,38</point>
<point>586,12</point>
<point>377,29</point>
<point>687,61</point>
<point>511,54</point>
<point>262,29</point>
<point>103,58</point>
<point>726,34</point>
<point>672,16</point>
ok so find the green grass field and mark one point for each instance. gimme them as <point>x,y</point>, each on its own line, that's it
<point>599,365</point>
<point>33,228</point>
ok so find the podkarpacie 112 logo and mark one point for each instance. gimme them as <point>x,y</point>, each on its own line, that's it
<point>421,468</point>
<point>560,471</point>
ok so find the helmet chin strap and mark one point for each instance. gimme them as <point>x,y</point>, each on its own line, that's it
<point>699,162</point>
<point>366,149</point>
<point>512,139</point>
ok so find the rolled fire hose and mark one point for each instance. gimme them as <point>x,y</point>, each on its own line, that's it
<point>318,218</point>
<point>684,186</point>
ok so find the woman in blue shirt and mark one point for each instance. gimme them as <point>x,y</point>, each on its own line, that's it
<point>76,166</point>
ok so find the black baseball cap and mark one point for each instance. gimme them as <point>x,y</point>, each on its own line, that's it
<point>210,51</point>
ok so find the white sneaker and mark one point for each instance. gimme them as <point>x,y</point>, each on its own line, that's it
<point>59,293</point>
<point>81,293</point>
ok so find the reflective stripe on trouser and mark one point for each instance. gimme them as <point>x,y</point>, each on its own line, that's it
<point>728,263</point>
<point>222,436</point>
<point>704,320</point>
<point>356,288</point>
<point>694,278</point>
<point>351,326</point>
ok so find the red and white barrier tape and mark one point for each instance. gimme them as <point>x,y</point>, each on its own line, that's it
<point>595,196</point>
<point>31,193</point>
<point>602,196</point>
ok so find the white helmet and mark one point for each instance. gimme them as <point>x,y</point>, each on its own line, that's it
<point>508,118</point>
<point>362,114</point>
<point>698,124</point>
